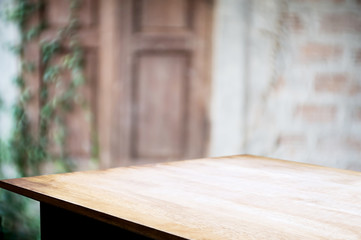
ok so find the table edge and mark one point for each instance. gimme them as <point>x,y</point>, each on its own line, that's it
<point>100,216</point>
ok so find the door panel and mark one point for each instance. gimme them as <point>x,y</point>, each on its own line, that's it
<point>159,105</point>
<point>162,16</point>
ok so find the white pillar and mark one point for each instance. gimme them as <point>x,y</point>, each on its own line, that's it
<point>229,76</point>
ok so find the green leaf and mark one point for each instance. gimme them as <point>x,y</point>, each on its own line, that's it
<point>28,66</point>
<point>44,93</point>
<point>16,49</point>
<point>19,81</point>
<point>25,96</point>
<point>51,73</point>
<point>47,111</point>
<point>34,31</point>
<point>48,50</point>
<point>21,11</point>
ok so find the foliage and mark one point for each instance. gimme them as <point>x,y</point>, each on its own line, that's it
<point>28,151</point>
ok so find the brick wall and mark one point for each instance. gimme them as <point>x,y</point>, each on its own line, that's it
<point>304,81</point>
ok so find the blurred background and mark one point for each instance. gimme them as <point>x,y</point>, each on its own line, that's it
<point>89,84</point>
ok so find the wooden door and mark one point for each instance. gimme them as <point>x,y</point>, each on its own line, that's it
<point>155,57</point>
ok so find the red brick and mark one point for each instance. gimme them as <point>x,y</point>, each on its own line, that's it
<point>294,22</point>
<point>343,143</point>
<point>328,82</point>
<point>291,139</point>
<point>355,89</point>
<point>347,22</point>
<point>353,144</point>
<point>317,113</point>
<point>315,52</point>
<point>279,84</point>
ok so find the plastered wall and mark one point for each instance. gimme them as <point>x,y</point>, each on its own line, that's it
<point>297,93</point>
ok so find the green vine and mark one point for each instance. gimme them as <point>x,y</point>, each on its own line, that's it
<point>58,95</point>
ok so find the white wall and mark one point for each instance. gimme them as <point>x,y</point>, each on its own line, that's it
<point>287,80</point>
<point>8,69</point>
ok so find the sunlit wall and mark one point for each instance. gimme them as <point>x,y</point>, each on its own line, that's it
<point>299,77</point>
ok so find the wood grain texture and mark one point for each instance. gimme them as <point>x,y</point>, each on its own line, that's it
<point>152,118</point>
<point>238,197</point>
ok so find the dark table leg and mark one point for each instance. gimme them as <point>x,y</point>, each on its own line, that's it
<point>61,224</point>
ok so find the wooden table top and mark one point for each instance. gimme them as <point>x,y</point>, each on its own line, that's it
<point>237,197</point>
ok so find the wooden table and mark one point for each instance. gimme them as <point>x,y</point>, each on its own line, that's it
<point>238,197</point>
